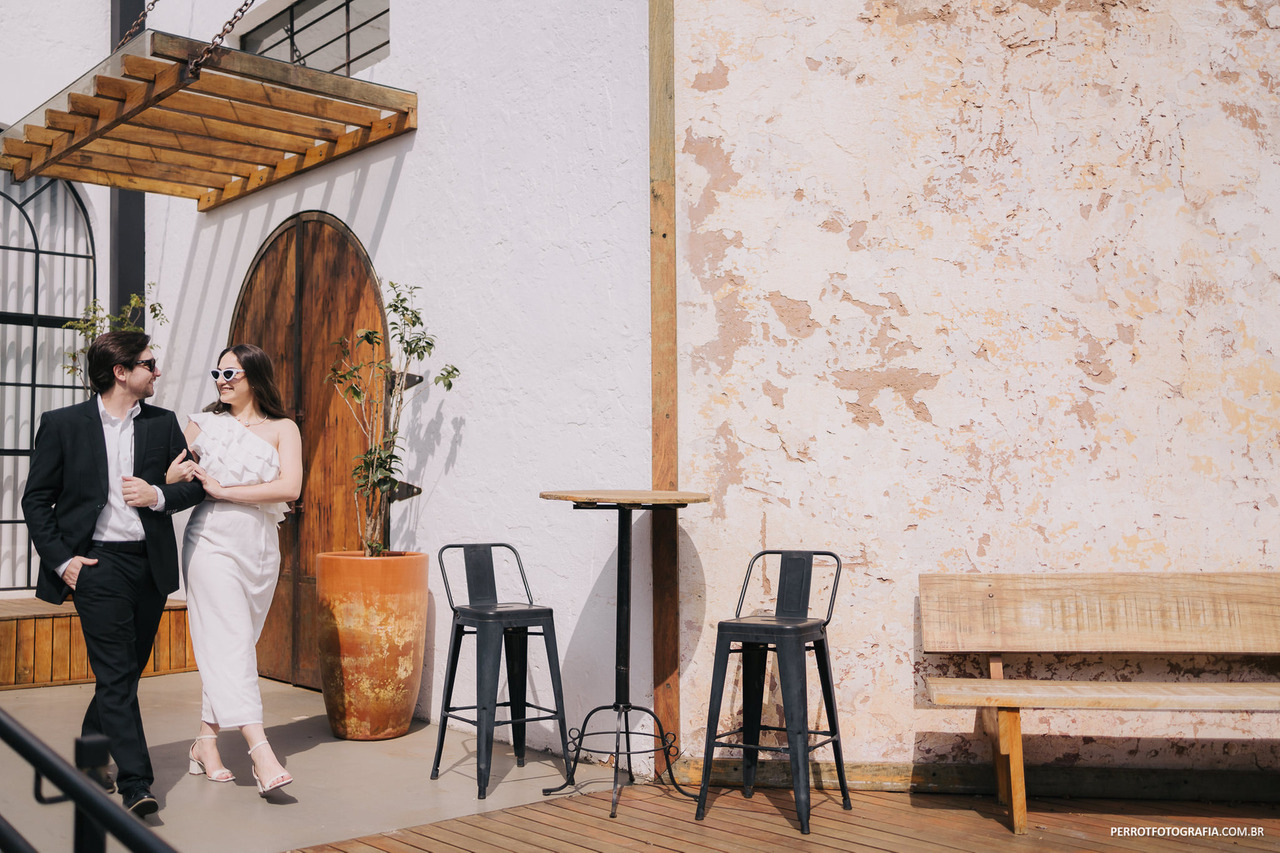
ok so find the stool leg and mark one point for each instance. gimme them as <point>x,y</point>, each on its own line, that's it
<point>553,665</point>
<point>713,719</point>
<point>795,707</point>
<point>488,662</point>
<point>754,658</point>
<point>517,645</point>
<point>820,651</point>
<point>450,670</point>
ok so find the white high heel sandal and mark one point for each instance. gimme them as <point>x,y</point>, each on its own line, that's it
<point>196,766</point>
<point>276,784</point>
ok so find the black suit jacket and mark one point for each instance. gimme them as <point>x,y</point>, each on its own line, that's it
<point>67,489</point>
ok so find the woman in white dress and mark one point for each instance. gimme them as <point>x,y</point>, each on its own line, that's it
<point>248,455</point>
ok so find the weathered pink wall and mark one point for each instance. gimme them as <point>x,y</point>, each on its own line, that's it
<point>979,286</point>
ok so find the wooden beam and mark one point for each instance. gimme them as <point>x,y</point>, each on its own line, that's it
<point>120,111</point>
<point>662,287</point>
<point>148,169</point>
<point>128,182</point>
<point>151,153</point>
<point>318,155</point>
<point>165,119</point>
<point>262,94</point>
<point>297,77</point>
<point>196,144</point>
<point>251,115</point>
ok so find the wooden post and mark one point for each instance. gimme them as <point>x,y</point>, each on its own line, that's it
<point>662,283</point>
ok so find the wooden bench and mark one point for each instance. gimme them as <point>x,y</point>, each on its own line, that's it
<point>1231,613</point>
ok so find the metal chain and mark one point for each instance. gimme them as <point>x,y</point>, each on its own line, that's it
<point>194,65</point>
<point>137,24</point>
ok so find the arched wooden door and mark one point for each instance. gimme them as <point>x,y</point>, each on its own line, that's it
<point>311,283</point>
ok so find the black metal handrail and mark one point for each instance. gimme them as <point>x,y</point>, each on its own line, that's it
<point>96,814</point>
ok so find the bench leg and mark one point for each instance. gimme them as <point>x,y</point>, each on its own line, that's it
<point>1009,770</point>
<point>991,728</point>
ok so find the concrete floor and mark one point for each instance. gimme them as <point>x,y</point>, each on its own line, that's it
<point>342,789</point>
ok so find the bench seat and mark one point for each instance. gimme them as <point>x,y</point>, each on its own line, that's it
<point>1119,695</point>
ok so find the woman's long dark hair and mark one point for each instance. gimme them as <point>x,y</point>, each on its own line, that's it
<point>261,377</point>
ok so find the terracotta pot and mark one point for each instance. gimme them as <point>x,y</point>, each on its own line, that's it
<point>373,629</point>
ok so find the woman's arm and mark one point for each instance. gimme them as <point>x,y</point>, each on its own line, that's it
<point>286,487</point>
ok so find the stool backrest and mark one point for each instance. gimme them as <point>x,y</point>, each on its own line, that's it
<point>482,583</point>
<point>795,583</point>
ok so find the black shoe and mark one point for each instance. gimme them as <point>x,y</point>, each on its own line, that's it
<point>141,803</point>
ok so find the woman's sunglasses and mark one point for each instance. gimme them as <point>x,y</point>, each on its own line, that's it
<point>226,374</point>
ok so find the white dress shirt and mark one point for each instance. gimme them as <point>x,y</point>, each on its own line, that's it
<point>118,522</point>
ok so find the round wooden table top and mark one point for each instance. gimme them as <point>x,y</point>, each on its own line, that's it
<point>627,498</point>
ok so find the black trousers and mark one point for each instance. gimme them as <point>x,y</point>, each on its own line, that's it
<point>120,609</point>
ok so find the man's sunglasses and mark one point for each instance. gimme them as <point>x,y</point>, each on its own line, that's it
<point>148,363</point>
<point>226,374</point>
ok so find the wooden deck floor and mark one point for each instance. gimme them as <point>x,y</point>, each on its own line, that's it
<point>655,818</point>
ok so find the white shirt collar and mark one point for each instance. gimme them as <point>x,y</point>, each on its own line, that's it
<point>109,419</point>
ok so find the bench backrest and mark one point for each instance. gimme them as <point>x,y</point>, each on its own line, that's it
<point>1214,613</point>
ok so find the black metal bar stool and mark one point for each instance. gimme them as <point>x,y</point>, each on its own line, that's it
<point>789,633</point>
<point>497,624</point>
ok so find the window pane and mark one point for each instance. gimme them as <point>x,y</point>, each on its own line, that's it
<point>15,420</point>
<point>52,347</point>
<point>327,34</point>
<point>58,222</point>
<point>65,285</point>
<point>13,533</point>
<point>15,353</point>
<point>15,570</point>
<point>17,280</point>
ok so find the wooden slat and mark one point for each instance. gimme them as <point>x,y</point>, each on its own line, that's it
<point>8,652</point>
<point>177,640</point>
<point>1153,696</point>
<point>255,116</point>
<point>262,94</point>
<point>59,120</point>
<point>296,77</point>
<point>171,80</point>
<point>165,119</point>
<point>128,182</point>
<point>197,178</point>
<point>221,108</point>
<point>160,648</point>
<point>79,669</point>
<point>191,144</point>
<point>24,669</point>
<point>1216,613</point>
<point>318,155</point>
<point>42,659</point>
<point>61,670</point>
<point>227,167</point>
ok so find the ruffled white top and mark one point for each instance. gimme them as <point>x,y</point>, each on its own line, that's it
<point>234,455</point>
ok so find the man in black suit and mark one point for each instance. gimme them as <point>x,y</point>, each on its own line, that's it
<point>99,514</point>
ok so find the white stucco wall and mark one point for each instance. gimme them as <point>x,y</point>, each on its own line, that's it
<point>518,206</point>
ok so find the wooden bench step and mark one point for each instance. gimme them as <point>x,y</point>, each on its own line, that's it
<point>41,644</point>
<point>1124,695</point>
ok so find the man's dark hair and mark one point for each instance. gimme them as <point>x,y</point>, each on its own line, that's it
<point>110,349</point>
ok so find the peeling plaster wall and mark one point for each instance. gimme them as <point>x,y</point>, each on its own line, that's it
<point>979,287</point>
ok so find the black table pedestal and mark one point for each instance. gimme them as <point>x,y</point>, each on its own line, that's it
<point>622,707</point>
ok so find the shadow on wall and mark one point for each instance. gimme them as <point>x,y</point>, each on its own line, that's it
<point>237,231</point>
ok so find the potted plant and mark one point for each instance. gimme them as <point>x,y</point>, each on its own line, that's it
<point>373,601</point>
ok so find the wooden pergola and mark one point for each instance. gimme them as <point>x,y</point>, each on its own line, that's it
<point>142,120</point>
